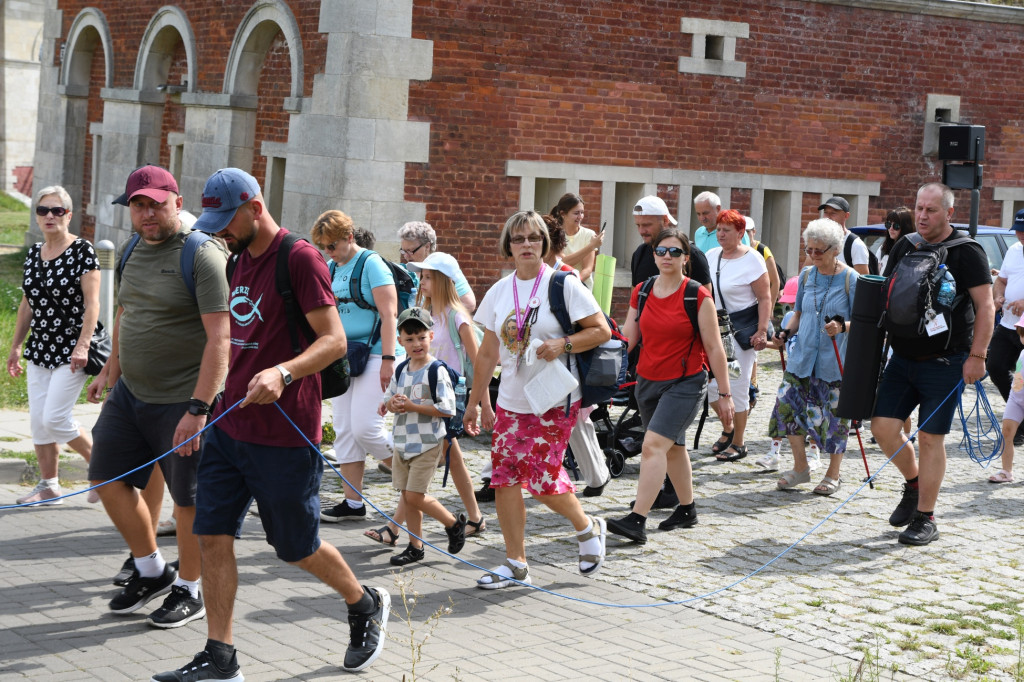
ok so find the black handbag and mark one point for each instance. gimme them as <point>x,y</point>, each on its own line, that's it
<point>743,322</point>
<point>99,350</point>
<point>358,355</point>
<point>335,378</point>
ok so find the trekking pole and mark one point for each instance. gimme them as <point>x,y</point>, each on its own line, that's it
<point>856,429</point>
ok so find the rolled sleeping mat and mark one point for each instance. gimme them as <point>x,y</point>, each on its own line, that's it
<point>863,351</point>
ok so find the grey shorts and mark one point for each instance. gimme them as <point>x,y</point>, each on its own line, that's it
<point>668,407</point>
<point>129,433</point>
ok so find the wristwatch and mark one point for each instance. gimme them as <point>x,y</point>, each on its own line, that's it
<point>568,345</point>
<point>285,374</point>
<point>198,407</point>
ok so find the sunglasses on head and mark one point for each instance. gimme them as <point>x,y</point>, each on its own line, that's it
<point>673,251</point>
<point>58,211</point>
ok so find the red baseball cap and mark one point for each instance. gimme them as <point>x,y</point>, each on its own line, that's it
<point>151,181</point>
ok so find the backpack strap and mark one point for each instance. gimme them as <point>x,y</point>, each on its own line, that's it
<point>556,299</point>
<point>848,248</point>
<point>283,284</point>
<point>355,284</point>
<point>432,378</point>
<point>132,243</point>
<point>187,261</point>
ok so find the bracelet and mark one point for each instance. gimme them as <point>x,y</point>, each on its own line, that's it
<point>980,357</point>
<point>725,395</point>
<point>387,357</point>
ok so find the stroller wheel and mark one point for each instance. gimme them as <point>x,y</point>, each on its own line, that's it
<point>616,461</point>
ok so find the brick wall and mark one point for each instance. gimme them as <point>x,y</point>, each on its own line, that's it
<point>173,120</point>
<point>831,91</point>
<point>271,118</point>
<point>95,114</point>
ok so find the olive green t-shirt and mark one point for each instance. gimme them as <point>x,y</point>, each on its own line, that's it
<point>161,337</point>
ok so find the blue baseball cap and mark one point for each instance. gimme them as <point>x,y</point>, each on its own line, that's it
<point>225,191</point>
<point>1018,221</point>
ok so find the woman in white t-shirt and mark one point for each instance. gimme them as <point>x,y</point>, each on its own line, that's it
<point>583,243</point>
<point>527,448</point>
<point>740,281</point>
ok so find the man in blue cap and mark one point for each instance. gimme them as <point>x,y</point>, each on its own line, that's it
<point>254,451</point>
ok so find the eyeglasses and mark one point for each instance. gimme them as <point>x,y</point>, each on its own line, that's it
<point>533,239</point>
<point>410,254</point>
<point>673,251</point>
<point>331,246</point>
<point>57,211</point>
<point>817,252</point>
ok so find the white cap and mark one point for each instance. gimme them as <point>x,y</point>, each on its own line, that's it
<point>652,205</point>
<point>751,227</point>
<point>439,261</point>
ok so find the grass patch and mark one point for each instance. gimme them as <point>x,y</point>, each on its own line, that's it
<point>910,620</point>
<point>15,219</point>
<point>29,457</point>
<point>944,628</point>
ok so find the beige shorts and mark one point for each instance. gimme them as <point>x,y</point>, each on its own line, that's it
<point>415,474</point>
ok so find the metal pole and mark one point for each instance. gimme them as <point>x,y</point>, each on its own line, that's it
<point>105,253</point>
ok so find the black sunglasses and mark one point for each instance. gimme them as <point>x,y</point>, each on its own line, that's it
<point>58,211</point>
<point>673,251</point>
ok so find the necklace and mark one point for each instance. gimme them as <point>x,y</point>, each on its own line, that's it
<point>820,306</point>
<point>523,318</point>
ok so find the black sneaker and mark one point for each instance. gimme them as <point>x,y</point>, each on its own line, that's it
<point>905,510</point>
<point>127,572</point>
<point>201,667</point>
<point>630,526</point>
<point>682,517</point>
<point>595,490</point>
<point>921,531</point>
<point>367,632</point>
<point>486,492</point>
<point>340,512</point>
<point>178,609</point>
<point>140,590</point>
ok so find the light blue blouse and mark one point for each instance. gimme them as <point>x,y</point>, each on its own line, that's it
<point>817,298</point>
<point>358,322</point>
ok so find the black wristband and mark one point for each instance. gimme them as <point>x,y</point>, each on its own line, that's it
<point>387,357</point>
<point>197,407</point>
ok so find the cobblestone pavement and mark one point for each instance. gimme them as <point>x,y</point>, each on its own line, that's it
<point>939,612</point>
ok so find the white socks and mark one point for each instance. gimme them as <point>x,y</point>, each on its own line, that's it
<point>192,585</point>
<point>150,566</point>
<point>52,483</point>
<point>355,504</point>
<point>591,546</point>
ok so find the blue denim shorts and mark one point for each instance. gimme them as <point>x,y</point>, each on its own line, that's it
<point>907,384</point>
<point>284,481</point>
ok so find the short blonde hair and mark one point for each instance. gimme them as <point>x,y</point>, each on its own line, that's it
<point>330,227</point>
<point>62,194</point>
<point>514,223</point>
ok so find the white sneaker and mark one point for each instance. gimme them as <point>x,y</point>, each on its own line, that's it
<point>813,457</point>
<point>42,492</point>
<point>770,461</point>
<point>330,456</point>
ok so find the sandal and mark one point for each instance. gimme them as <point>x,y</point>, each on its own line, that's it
<point>793,477</point>
<point>378,536</point>
<point>456,534</point>
<point>1001,476</point>
<point>828,486</point>
<point>740,451</point>
<point>408,556</point>
<point>504,576</point>
<point>599,530</point>
<point>722,445</point>
<point>477,526</point>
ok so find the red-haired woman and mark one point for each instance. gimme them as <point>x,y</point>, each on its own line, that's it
<point>740,281</point>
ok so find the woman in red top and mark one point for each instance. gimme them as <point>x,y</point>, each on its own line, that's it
<point>672,380</point>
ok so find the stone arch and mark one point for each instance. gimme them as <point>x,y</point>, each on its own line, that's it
<point>168,25</point>
<point>87,30</point>
<point>252,39</point>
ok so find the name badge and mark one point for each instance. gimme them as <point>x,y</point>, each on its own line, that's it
<point>937,325</point>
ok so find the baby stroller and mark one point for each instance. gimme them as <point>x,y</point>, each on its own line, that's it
<point>624,437</point>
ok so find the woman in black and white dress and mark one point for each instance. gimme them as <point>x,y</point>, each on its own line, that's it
<point>61,305</point>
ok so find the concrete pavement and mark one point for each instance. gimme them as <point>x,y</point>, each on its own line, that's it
<point>938,612</point>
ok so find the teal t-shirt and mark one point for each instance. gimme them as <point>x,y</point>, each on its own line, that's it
<point>359,322</point>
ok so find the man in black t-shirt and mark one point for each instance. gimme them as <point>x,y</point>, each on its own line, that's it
<point>926,371</point>
<point>652,216</point>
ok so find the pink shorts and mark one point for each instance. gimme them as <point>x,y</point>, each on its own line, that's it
<point>527,450</point>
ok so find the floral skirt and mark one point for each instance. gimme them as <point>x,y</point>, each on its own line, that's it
<point>808,407</point>
<point>527,450</point>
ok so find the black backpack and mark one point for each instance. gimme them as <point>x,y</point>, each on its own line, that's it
<point>599,381</point>
<point>334,379</point>
<point>848,254</point>
<point>453,424</point>
<point>910,294</point>
<point>689,305</point>
<point>405,283</point>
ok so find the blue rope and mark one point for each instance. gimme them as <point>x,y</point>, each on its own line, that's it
<point>149,463</point>
<point>978,425</point>
<point>688,600</point>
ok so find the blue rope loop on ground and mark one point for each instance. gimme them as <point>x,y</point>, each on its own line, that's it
<point>955,391</point>
<point>978,426</point>
<point>143,466</point>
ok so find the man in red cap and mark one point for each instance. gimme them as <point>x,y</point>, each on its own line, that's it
<point>165,372</point>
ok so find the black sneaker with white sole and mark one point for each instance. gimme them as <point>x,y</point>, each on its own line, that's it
<point>367,632</point>
<point>126,573</point>
<point>342,512</point>
<point>202,667</point>
<point>141,590</point>
<point>907,507</point>
<point>179,608</point>
<point>921,531</point>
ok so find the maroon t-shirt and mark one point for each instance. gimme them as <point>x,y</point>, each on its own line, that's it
<point>260,339</point>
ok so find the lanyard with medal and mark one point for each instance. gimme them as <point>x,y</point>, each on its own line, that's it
<point>523,318</point>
